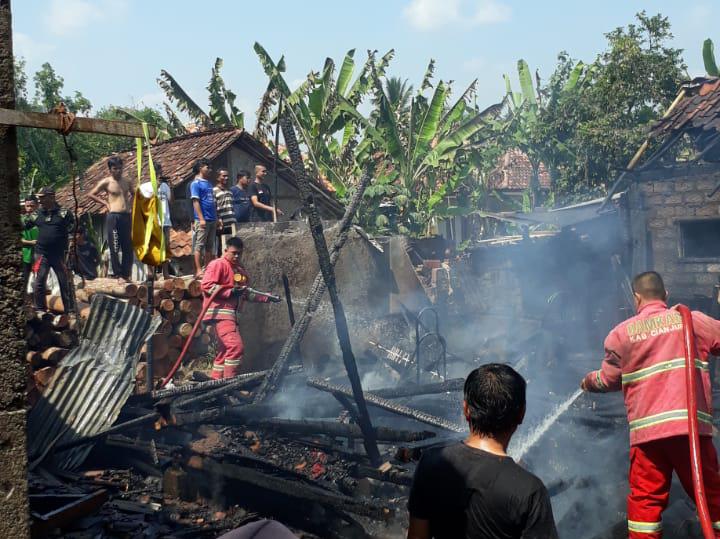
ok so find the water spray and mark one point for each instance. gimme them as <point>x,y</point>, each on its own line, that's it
<point>546,423</point>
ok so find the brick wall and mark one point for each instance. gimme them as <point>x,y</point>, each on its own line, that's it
<point>666,203</point>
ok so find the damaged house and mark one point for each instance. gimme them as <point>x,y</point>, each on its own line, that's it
<point>673,212</point>
<point>234,149</point>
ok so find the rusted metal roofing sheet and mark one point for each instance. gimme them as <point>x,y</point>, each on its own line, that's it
<point>93,382</point>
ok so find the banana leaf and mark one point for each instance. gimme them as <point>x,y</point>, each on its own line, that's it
<point>184,102</point>
<point>218,114</point>
<point>427,77</point>
<point>454,114</point>
<point>428,128</point>
<point>526,84</point>
<point>346,71</point>
<point>709,58</point>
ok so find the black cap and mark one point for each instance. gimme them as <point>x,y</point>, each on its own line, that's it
<point>47,190</point>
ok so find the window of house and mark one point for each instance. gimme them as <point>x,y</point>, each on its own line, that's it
<point>700,238</point>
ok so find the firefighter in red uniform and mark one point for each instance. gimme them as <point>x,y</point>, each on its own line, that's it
<point>230,278</point>
<point>644,356</point>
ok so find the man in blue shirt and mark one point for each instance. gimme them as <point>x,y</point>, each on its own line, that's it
<point>205,225</point>
<point>242,206</point>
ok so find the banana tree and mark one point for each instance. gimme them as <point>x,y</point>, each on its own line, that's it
<point>320,110</point>
<point>421,147</point>
<point>223,112</point>
<point>527,108</point>
<point>709,58</point>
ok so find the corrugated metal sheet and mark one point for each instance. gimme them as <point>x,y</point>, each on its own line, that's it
<point>87,391</point>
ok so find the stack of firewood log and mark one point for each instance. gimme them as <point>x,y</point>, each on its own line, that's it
<point>177,300</point>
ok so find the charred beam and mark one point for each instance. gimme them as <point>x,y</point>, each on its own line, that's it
<point>390,406</point>
<point>291,489</point>
<point>394,474</point>
<point>313,300</point>
<point>335,429</point>
<point>328,272</point>
<point>455,384</point>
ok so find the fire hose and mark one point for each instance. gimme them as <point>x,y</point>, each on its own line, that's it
<point>206,304</point>
<point>691,391</point>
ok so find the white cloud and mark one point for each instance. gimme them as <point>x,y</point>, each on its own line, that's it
<point>434,14</point>
<point>33,51</point>
<point>68,16</point>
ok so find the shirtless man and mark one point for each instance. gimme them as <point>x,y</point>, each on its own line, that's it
<point>119,221</point>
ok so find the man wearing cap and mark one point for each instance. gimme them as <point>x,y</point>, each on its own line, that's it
<point>54,225</point>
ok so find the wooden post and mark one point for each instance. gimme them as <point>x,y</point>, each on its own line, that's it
<point>14,512</point>
<point>328,273</point>
<point>149,345</point>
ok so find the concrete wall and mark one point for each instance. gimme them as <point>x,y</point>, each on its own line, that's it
<point>667,202</point>
<point>363,278</point>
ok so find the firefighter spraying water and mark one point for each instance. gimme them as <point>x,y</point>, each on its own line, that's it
<point>669,406</point>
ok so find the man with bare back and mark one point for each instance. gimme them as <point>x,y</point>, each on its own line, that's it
<point>119,220</point>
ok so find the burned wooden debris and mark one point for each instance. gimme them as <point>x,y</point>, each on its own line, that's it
<point>390,406</point>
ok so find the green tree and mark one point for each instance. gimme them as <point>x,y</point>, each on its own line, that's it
<point>43,158</point>
<point>428,148</point>
<point>324,109</point>
<point>586,137</point>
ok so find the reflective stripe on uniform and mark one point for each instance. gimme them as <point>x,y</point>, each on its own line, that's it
<point>664,417</point>
<point>663,366</point>
<point>716,525</point>
<point>232,362</point>
<point>218,367</point>
<point>644,527</point>
<point>598,381</point>
<point>218,310</point>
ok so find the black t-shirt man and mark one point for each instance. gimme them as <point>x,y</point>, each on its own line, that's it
<point>264,196</point>
<point>54,227</point>
<point>468,493</point>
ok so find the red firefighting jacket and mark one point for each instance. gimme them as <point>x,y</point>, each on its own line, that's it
<point>644,356</point>
<point>221,272</point>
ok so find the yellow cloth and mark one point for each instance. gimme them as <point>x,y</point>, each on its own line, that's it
<point>147,236</point>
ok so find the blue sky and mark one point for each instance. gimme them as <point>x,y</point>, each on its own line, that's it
<point>113,50</point>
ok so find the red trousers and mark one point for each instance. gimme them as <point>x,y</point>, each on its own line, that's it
<point>229,350</point>
<point>651,468</point>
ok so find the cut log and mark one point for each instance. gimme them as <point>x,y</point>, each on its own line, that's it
<point>64,339</point>
<point>42,377</point>
<point>167,305</point>
<point>180,282</point>
<point>55,304</point>
<point>175,317</point>
<point>184,329</point>
<point>191,317</point>
<point>83,294</point>
<point>61,321</point>
<point>112,287</point>
<point>54,354</point>
<point>193,289</point>
<point>185,305</point>
<point>141,293</point>
<point>167,285</point>
<point>34,358</point>
<point>177,294</point>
